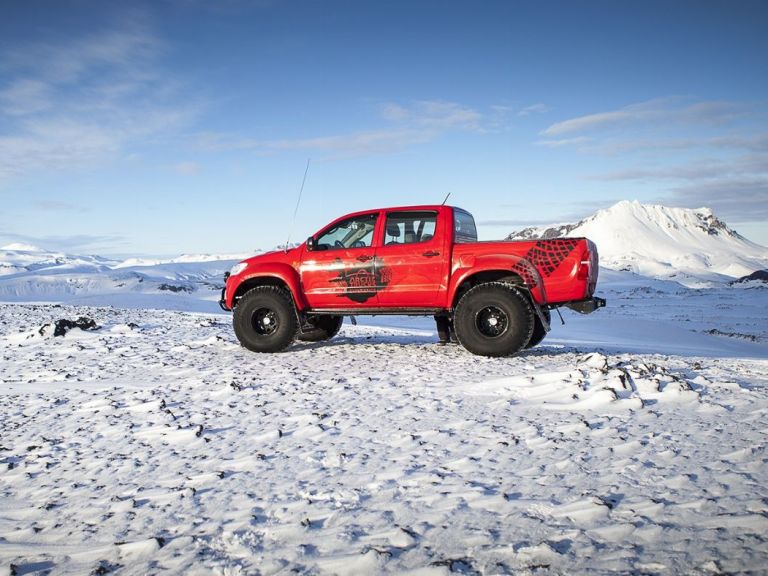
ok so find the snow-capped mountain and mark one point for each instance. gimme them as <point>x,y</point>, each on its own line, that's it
<point>20,258</point>
<point>691,246</point>
<point>29,273</point>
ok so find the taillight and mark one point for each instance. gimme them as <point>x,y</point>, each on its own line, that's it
<point>584,266</point>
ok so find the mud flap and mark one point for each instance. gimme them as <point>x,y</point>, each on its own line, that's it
<point>542,318</point>
<point>443,329</point>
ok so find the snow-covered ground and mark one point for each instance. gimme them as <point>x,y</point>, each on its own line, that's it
<point>633,441</point>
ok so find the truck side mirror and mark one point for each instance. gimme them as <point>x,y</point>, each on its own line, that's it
<point>311,244</point>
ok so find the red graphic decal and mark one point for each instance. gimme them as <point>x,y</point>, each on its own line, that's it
<point>362,283</point>
<point>546,256</point>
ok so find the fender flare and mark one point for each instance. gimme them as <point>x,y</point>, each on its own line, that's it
<point>283,273</point>
<point>470,266</point>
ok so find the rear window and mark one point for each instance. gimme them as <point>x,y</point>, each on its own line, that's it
<point>464,230</point>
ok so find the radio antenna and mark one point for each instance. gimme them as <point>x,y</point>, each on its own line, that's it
<point>446,198</point>
<point>296,209</point>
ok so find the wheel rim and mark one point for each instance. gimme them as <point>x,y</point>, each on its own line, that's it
<point>265,321</point>
<point>492,322</point>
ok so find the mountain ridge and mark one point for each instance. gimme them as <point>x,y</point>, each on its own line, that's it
<point>691,246</point>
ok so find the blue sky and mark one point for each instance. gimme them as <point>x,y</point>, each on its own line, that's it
<point>185,125</point>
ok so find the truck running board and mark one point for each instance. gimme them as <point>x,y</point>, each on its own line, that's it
<point>373,311</point>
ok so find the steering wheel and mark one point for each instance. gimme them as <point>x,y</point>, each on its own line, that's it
<point>338,244</point>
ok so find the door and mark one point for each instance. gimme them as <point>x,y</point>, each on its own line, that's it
<point>410,258</point>
<point>340,271</point>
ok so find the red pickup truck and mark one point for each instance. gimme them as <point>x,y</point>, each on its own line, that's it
<point>493,297</point>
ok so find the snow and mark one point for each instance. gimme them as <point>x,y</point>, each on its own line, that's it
<point>43,276</point>
<point>19,260</point>
<point>51,277</point>
<point>689,246</point>
<point>632,440</point>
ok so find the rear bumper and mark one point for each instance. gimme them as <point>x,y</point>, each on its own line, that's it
<point>586,306</point>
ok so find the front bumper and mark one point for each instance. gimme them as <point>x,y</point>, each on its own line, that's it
<point>223,299</point>
<point>586,306</point>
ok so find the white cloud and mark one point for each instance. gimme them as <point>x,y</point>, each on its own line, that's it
<point>736,188</point>
<point>758,143</point>
<point>110,51</point>
<point>700,169</point>
<point>610,146</point>
<point>54,143</point>
<point>406,126</point>
<point>537,108</point>
<point>433,114</point>
<point>57,206</point>
<point>83,101</point>
<point>559,143</point>
<point>697,153</point>
<point>667,110</point>
<point>361,143</point>
<point>736,198</point>
<point>25,96</point>
<point>584,123</point>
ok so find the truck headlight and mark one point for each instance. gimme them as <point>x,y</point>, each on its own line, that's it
<point>237,268</point>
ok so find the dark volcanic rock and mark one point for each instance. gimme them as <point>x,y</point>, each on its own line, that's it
<point>173,288</point>
<point>61,327</point>
<point>757,275</point>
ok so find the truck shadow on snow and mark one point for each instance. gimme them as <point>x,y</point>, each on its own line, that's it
<point>379,339</point>
<point>429,341</point>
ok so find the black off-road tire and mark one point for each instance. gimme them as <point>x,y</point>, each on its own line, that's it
<point>326,327</point>
<point>265,319</point>
<point>494,319</point>
<point>538,328</point>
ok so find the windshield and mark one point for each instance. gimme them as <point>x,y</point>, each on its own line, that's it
<point>355,232</point>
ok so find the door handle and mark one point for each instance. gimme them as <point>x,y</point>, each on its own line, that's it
<point>364,258</point>
<point>431,253</point>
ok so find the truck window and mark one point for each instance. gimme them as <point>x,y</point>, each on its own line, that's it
<point>355,232</point>
<point>409,227</point>
<point>464,230</point>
